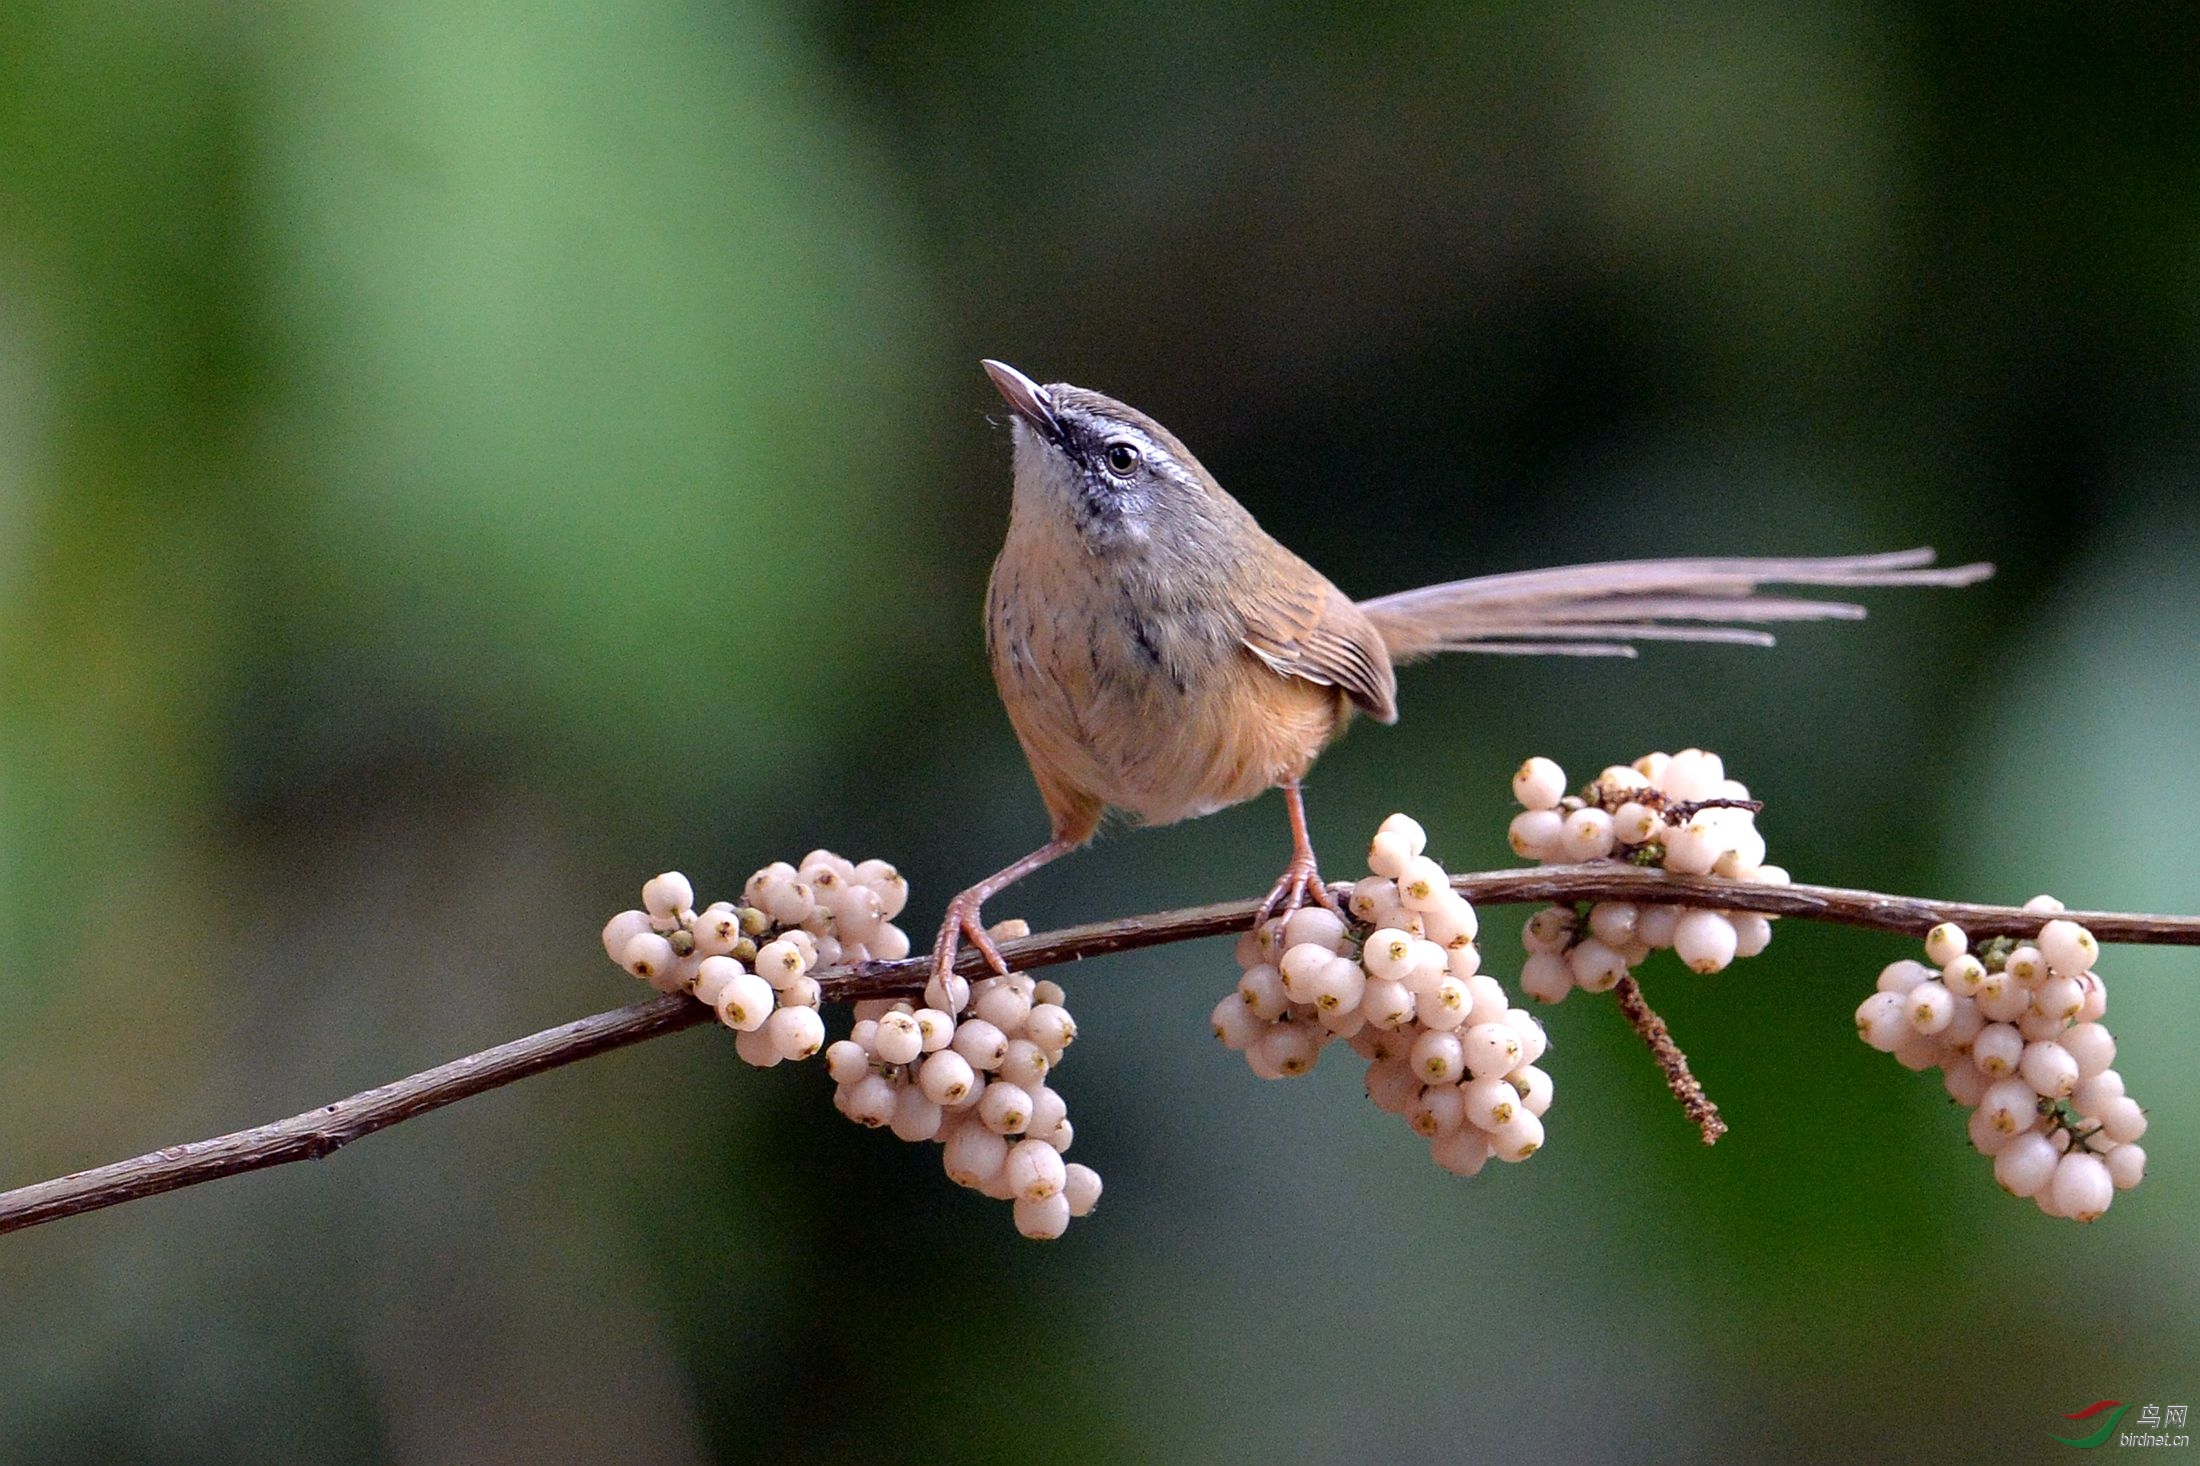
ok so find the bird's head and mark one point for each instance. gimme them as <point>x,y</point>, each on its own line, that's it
<point>1120,477</point>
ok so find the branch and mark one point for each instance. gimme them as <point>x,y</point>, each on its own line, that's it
<point>317,1132</point>
<point>1656,1037</point>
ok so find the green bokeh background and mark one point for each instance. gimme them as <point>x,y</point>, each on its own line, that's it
<point>456,461</point>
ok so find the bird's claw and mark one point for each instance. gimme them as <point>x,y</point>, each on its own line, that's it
<point>962,922</point>
<point>1300,882</point>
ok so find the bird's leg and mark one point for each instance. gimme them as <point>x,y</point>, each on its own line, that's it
<point>963,912</point>
<point>1300,880</point>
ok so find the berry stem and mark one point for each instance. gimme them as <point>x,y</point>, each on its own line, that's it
<point>1651,1029</point>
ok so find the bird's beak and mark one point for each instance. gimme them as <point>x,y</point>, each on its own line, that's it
<point>1027,398</point>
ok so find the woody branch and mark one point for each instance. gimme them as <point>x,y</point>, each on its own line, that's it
<point>319,1131</point>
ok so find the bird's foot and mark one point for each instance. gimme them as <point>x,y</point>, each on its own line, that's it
<point>963,922</point>
<point>1300,883</point>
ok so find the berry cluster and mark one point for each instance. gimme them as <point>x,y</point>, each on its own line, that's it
<point>2015,1030</point>
<point>968,1068</point>
<point>1679,811</point>
<point>1402,986</point>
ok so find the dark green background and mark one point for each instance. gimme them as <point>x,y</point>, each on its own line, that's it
<point>458,460</point>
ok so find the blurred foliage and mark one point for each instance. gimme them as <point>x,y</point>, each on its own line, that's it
<point>456,461</point>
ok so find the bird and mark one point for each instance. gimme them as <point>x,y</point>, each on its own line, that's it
<point>1161,655</point>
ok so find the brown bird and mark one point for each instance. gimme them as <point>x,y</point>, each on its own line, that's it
<point>1160,654</point>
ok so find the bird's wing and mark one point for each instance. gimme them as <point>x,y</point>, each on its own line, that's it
<point>1599,610</point>
<point>1302,626</point>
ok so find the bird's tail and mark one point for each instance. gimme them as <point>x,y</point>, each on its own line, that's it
<point>1601,610</point>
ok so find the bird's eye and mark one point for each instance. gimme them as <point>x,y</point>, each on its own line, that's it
<point>1122,459</point>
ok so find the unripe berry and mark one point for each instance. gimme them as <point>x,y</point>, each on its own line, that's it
<point>2068,947</point>
<point>1596,967</point>
<point>2010,1105</point>
<point>1285,1051</point>
<point>1446,1007</point>
<point>1388,853</point>
<point>1546,978</point>
<point>915,1117</point>
<point>622,929</point>
<point>2025,1165</point>
<point>755,1046</point>
<point>796,1033</point>
<point>1962,975</point>
<point>973,1155</point>
<point>1437,1057</point>
<point>1314,924</point>
<point>1263,991</point>
<point>846,1061</point>
<point>1341,986</point>
<point>1035,1170</point>
<point>711,976</point>
<point>2092,1046</point>
<point>1463,1152</point>
<point>1452,921</point>
<point>2093,1094</point>
<point>1422,884</point>
<point>745,1004</point>
<point>1539,784</point>
<point>935,1029</point>
<point>1535,833</point>
<point>947,1077</point>
<point>1518,1138</point>
<point>1392,1085</point>
<point>1533,1040</point>
<point>780,962</point>
<point>1490,1103</point>
<point>1929,1006</point>
<point>983,1044</point>
<point>649,957</point>
<point>1654,925</point>
<point>1945,943</point>
<point>1534,1087</point>
<point>2122,1120</point>
<point>1881,1022</point>
<point>870,1101</point>
<point>1490,1049</point>
<point>1586,835</point>
<point>898,1040</point>
<point>1406,828</point>
<point>1704,940</point>
<point>1235,1024</point>
<point>1005,1108</point>
<point>668,895</point>
<point>1439,1110</point>
<point>1387,1004</point>
<point>1024,1063</point>
<point>1900,977</point>
<point>2049,1068</point>
<point>1965,1084</point>
<point>2083,1188</point>
<point>2059,998</point>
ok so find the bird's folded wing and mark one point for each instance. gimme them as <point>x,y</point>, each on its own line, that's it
<point>1598,610</point>
<point>1306,628</point>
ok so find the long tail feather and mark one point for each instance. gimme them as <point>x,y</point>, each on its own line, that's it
<point>1598,610</point>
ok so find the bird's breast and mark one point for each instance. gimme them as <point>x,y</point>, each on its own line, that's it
<point>1147,702</point>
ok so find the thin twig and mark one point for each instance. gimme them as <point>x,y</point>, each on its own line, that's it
<point>1656,1037</point>
<point>319,1131</point>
